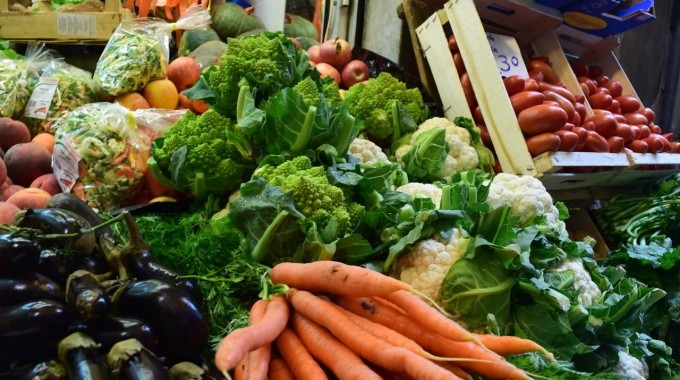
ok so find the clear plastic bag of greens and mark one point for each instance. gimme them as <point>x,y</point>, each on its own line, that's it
<point>139,50</point>
<point>19,76</point>
<point>100,155</point>
<point>60,88</point>
<point>155,121</point>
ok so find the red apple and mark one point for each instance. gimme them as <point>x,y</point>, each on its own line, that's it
<point>354,72</point>
<point>335,52</point>
<point>327,70</point>
<point>313,52</point>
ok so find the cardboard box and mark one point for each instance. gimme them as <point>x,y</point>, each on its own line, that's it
<point>607,17</point>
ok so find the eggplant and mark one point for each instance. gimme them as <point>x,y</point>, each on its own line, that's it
<point>191,371</point>
<point>82,359</point>
<point>130,360</point>
<point>22,287</point>
<point>112,329</point>
<point>47,370</point>
<point>32,322</point>
<point>58,264</point>
<point>18,252</point>
<point>55,222</point>
<point>181,328</point>
<point>139,264</point>
<point>71,202</point>
<point>86,296</point>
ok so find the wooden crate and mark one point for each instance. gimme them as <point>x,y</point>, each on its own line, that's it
<point>580,225</point>
<point>62,27</point>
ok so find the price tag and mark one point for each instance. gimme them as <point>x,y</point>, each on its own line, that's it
<point>508,55</point>
<point>41,98</point>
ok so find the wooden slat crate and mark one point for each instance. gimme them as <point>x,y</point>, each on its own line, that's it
<point>62,27</point>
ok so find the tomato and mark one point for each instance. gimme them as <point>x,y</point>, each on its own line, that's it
<point>566,105</point>
<point>576,119</point>
<point>514,84</point>
<point>545,86</point>
<point>581,110</point>
<point>545,68</point>
<point>634,118</point>
<point>604,124</point>
<point>536,75</point>
<point>655,128</point>
<point>542,118</point>
<point>619,118</point>
<point>614,88</point>
<point>601,80</point>
<point>675,147</point>
<point>580,69</point>
<point>603,90</point>
<point>531,85</point>
<point>541,143</point>
<point>625,131</point>
<point>596,143</point>
<point>600,100</point>
<point>594,71</point>
<point>644,131</point>
<point>468,91</point>
<point>628,103</point>
<point>592,86</point>
<point>525,99</point>
<point>638,146</point>
<point>615,107</point>
<point>665,144</point>
<point>615,143</point>
<point>585,89</point>
<point>637,133</point>
<point>477,115</point>
<point>568,140</point>
<point>649,113</point>
<point>655,143</point>
<point>486,137</point>
<point>458,62</point>
<point>579,98</point>
<point>453,44</point>
<point>582,134</point>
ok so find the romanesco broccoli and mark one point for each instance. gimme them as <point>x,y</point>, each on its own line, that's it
<point>314,196</point>
<point>372,102</point>
<point>312,95</point>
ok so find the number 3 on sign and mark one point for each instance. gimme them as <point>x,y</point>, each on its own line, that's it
<point>507,54</point>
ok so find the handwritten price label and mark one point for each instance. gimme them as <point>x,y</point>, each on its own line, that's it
<point>508,55</point>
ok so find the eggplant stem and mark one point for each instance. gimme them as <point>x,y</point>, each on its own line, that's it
<point>83,231</point>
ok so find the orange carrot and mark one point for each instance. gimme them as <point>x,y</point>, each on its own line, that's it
<point>239,342</point>
<point>455,369</point>
<point>297,357</point>
<point>375,350</point>
<point>258,359</point>
<point>241,370</point>
<point>342,361</point>
<point>429,317</point>
<point>335,277</point>
<point>279,370</point>
<point>484,362</point>
<point>511,345</point>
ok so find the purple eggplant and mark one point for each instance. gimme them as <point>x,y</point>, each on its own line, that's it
<point>26,324</point>
<point>19,252</point>
<point>82,359</point>
<point>22,286</point>
<point>130,360</point>
<point>59,229</point>
<point>86,296</point>
<point>112,329</point>
<point>46,370</point>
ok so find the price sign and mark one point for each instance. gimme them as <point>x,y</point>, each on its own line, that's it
<point>508,55</point>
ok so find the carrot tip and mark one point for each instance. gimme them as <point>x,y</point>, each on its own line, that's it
<point>226,375</point>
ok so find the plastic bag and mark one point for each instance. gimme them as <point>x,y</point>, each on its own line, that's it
<point>19,76</point>
<point>139,50</point>
<point>61,88</point>
<point>100,155</point>
<point>155,121</point>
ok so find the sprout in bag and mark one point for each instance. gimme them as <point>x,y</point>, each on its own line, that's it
<point>138,51</point>
<point>18,76</point>
<point>61,88</point>
<point>100,154</point>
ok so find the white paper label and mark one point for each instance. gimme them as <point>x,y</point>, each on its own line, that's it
<point>508,55</point>
<point>65,163</point>
<point>73,24</point>
<point>41,98</point>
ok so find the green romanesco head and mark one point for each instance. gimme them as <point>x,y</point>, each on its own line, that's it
<point>254,56</point>
<point>309,91</point>
<point>314,196</point>
<point>331,92</point>
<point>372,102</point>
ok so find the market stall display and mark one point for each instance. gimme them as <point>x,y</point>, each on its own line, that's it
<point>278,207</point>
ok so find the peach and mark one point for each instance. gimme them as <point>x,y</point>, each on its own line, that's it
<point>3,171</point>
<point>47,182</point>
<point>27,161</point>
<point>12,132</point>
<point>184,72</point>
<point>9,191</point>
<point>30,198</point>
<point>184,103</point>
<point>132,101</point>
<point>7,212</point>
<point>45,139</point>
<point>161,93</point>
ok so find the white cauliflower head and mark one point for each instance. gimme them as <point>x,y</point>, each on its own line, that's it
<point>631,368</point>
<point>426,190</point>
<point>425,264</point>
<point>527,198</point>
<point>367,151</point>
<point>461,156</point>
<point>588,291</point>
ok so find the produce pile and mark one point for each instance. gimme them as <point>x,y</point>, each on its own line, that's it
<point>286,159</point>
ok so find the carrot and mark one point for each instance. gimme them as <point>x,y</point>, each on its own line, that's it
<point>258,359</point>
<point>239,342</point>
<point>297,357</point>
<point>455,369</point>
<point>375,350</point>
<point>279,370</point>
<point>472,356</point>
<point>429,317</point>
<point>243,369</point>
<point>335,277</point>
<point>342,361</point>
<point>511,345</point>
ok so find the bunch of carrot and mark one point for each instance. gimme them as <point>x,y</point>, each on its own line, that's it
<point>355,323</point>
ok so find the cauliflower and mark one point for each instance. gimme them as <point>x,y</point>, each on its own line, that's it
<point>631,368</point>
<point>424,157</point>
<point>426,190</point>
<point>425,264</point>
<point>589,292</point>
<point>527,198</point>
<point>367,151</point>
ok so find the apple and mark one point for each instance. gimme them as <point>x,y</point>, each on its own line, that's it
<point>313,52</point>
<point>327,70</point>
<point>354,72</point>
<point>335,52</point>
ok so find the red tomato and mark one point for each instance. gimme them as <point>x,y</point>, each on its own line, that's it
<point>525,99</point>
<point>615,144</point>
<point>568,140</point>
<point>596,143</point>
<point>514,84</point>
<point>541,143</point>
<point>542,118</point>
